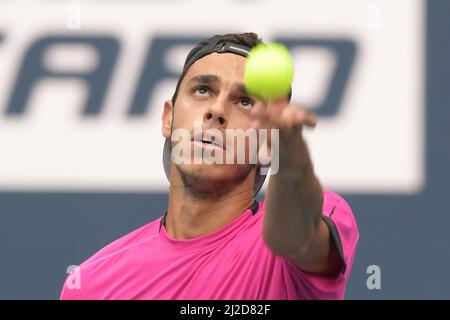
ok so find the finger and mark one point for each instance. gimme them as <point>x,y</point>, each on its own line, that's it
<point>307,118</point>
<point>301,116</point>
<point>279,103</point>
<point>277,106</point>
<point>294,117</point>
<point>291,118</point>
<point>258,111</point>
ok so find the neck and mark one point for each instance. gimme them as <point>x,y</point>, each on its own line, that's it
<point>189,217</point>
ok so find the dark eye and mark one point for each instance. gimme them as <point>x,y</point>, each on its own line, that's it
<point>201,90</point>
<point>246,103</point>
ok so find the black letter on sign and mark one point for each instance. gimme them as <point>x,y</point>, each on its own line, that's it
<point>155,70</point>
<point>33,70</point>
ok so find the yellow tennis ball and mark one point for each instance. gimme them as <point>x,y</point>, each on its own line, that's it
<point>268,71</point>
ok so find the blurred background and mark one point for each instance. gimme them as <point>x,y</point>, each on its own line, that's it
<point>82,86</point>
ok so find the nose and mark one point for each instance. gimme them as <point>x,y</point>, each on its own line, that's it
<point>216,113</point>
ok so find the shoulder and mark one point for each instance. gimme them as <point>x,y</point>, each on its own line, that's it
<point>337,209</point>
<point>128,241</point>
<point>92,269</point>
<point>331,199</point>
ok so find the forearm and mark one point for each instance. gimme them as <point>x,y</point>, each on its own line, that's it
<point>294,201</point>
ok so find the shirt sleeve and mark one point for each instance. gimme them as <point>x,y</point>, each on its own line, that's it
<point>339,218</point>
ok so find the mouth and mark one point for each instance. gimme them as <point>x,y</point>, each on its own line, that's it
<point>210,141</point>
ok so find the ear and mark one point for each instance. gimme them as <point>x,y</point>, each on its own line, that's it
<point>167,117</point>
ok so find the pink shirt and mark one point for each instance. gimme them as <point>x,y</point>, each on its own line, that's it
<point>230,263</point>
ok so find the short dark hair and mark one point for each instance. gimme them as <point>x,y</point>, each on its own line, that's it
<point>248,39</point>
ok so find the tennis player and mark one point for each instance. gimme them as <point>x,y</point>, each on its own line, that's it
<point>215,241</point>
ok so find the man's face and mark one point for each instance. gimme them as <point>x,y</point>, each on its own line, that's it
<point>212,93</point>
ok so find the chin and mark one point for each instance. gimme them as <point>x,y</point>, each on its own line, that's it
<point>209,171</point>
